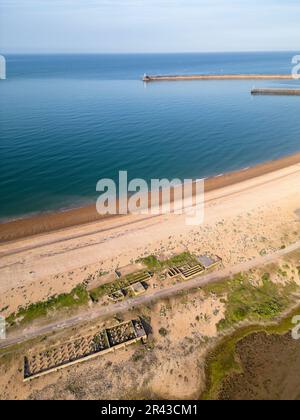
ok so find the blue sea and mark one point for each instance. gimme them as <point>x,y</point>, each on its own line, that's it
<point>67,121</point>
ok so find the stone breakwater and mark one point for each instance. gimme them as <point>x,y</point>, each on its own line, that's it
<point>148,78</point>
<point>280,92</point>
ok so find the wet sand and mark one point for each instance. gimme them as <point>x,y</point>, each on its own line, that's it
<point>49,222</point>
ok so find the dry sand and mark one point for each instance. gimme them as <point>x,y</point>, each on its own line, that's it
<point>243,219</point>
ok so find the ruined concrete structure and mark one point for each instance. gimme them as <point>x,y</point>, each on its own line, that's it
<point>186,271</point>
<point>135,289</point>
<point>83,348</point>
<point>190,270</point>
<point>208,261</point>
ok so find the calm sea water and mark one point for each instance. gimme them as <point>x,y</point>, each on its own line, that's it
<point>67,121</point>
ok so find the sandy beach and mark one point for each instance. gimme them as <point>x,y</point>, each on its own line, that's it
<point>245,213</point>
<point>49,222</point>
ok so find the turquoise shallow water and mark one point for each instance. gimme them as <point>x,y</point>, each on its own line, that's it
<point>67,121</point>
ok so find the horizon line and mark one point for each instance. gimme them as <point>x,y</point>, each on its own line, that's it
<point>145,53</point>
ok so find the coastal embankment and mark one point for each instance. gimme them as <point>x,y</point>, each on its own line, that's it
<point>148,78</point>
<point>49,222</point>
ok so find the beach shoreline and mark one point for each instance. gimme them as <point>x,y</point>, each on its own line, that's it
<point>55,221</point>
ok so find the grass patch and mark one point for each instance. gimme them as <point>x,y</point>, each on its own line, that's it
<point>222,361</point>
<point>154,264</point>
<point>151,262</point>
<point>246,301</point>
<point>78,296</point>
<point>182,259</point>
<point>163,332</point>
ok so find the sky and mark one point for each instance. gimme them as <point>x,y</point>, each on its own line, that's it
<point>134,26</point>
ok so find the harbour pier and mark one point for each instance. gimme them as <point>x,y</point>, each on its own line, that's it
<point>158,78</point>
<point>279,92</point>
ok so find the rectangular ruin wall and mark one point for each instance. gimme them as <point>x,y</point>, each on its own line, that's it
<point>82,348</point>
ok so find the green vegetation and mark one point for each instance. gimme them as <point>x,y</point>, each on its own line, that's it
<point>245,301</point>
<point>222,361</point>
<point>163,332</point>
<point>151,262</point>
<point>254,303</point>
<point>78,296</point>
<point>138,355</point>
<point>181,259</point>
<point>154,264</point>
<point>109,288</point>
